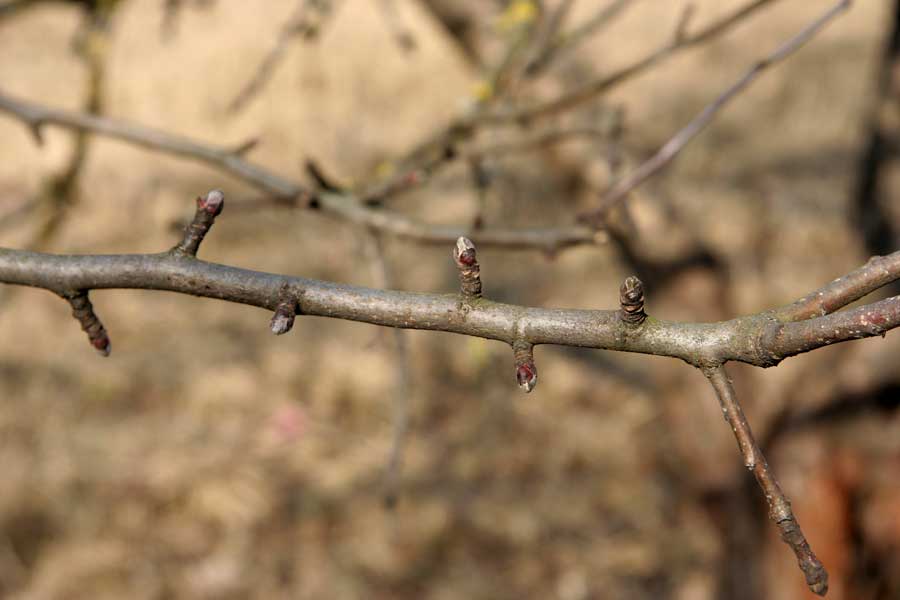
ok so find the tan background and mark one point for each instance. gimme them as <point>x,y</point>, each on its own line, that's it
<point>207,459</point>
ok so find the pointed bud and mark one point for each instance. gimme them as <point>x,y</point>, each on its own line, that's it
<point>464,252</point>
<point>526,370</point>
<point>83,311</point>
<point>469,271</point>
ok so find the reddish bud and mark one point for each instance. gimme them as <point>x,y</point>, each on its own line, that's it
<point>213,202</point>
<point>102,344</point>
<point>464,252</point>
<point>526,377</point>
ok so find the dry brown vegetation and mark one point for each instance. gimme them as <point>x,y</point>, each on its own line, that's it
<point>208,459</point>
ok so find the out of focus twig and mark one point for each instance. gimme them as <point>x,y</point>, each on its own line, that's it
<point>306,22</point>
<point>559,43</point>
<point>620,189</point>
<point>590,90</point>
<point>383,278</point>
<point>396,25</point>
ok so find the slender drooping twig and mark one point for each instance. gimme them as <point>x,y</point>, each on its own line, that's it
<point>779,506</point>
<point>343,206</point>
<point>620,189</point>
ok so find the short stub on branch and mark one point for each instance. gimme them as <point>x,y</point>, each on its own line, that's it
<point>83,311</point>
<point>526,371</point>
<point>208,208</point>
<point>469,270</point>
<point>283,319</point>
<point>631,299</point>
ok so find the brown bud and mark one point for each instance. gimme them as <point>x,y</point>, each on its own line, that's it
<point>283,319</point>
<point>631,298</point>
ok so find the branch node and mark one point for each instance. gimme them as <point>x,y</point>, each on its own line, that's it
<point>526,370</point>
<point>208,208</point>
<point>283,319</point>
<point>469,270</point>
<point>631,298</point>
<point>83,311</point>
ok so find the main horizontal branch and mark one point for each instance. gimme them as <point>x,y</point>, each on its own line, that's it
<point>761,339</point>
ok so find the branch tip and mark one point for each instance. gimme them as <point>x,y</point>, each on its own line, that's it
<point>208,208</point>
<point>212,203</point>
<point>469,271</point>
<point>779,506</point>
<point>526,370</point>
<point>83,311</point>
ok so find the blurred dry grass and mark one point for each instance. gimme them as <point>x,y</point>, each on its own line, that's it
<point>207,459</point>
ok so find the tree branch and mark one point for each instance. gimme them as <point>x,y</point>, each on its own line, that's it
<point>620,190</point>
<point>876,273</point>
<point>779,506</point>
<point>592,89</point>
<point>342,206</point>
<point>762,339</point>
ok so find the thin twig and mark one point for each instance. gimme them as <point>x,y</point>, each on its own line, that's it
<point>441,146</point>
<point>779,506</point>
<point>573,98</point>
<point>537,140</point>
<point>560,43</point>
<point>306,22</point>
<point>876,273</point>
<point>400,400</point>
<point>548,36</point>
<point>620,190</point>
<point>395,24</point>
<point>343,206</point>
